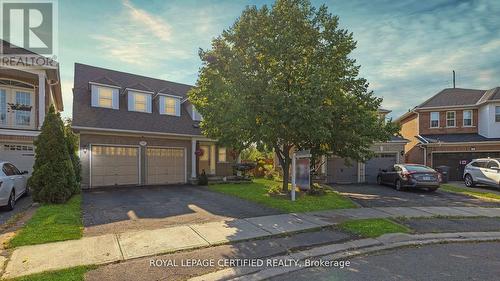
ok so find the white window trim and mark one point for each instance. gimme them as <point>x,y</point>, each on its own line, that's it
<point>148,102</point>
<point>10,116</point>
<point>114,95</point>
<point>471,118</point>
<point>454,119</point>
<point>163,105</point>
<point>218,155</point>
<point>430,118</point>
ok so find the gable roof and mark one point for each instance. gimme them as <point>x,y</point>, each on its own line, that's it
<point>453,97</point>
<point>86,116</point>
<point>492,94</point>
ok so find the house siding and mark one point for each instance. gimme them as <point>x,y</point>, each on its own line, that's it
<point>425,120</point>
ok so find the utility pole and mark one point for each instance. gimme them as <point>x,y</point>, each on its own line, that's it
<point>453,79</point>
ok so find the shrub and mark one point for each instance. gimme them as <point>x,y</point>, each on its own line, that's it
<point>72,144</point>
<point>53,179</point>
<point>274,189</point>
<point>203,178</point>
<point>316,190</point>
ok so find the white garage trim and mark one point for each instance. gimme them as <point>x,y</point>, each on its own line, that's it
<point>115,145</point>
<point>171,147</point>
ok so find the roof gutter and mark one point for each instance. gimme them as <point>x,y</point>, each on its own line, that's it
<point>82,128</point>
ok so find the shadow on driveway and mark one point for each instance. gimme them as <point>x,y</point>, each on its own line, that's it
<point>369,195</point>
<point>115,210</point>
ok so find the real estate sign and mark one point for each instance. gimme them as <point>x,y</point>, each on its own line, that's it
<point>302,173</point>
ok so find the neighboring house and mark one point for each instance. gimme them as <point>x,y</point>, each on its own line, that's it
<point>25,96</point>
<point>452,128</point>
<point>136,130</point>
<point>340,170</point>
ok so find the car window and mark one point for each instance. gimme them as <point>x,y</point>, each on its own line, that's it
<point>492,164</point>
<point>14,169</point>
<point>415,168</point>
<point>8,170</point>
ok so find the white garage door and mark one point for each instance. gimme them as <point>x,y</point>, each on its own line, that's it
<point>21,155</point>
<point>165,166</point>
<point>114,165</point>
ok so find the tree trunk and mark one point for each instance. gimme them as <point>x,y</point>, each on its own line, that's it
<point>283,154</point>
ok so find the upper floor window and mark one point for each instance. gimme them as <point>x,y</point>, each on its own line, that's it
<point>467,118</point>
<point>497,113</point>
<point>196,115</point>
<point>170,106</point>
<point>16,108</point>
<point>222,154</point>
<point>140,102</point>
<point>434,119</point>
<point>3,106</point>
<point>450,119</point>
<point>106,97</point>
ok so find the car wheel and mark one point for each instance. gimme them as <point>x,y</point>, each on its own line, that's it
<point>398,185</point>
<point>379,180</point>
<point>12,201</point>
<point>469,182</point>
<point>432,189</point>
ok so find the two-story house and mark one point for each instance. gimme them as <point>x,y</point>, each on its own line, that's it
<point>452,128</point>
<point>26,92</point>
<point>137,130</point>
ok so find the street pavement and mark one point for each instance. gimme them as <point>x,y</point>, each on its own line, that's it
<point>462,261</point>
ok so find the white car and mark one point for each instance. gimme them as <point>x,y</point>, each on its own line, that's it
<point>12,184</point>
<point>484,171</point>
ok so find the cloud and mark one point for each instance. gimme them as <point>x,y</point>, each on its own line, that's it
<point>154,24</point>
<point>67,95</point>
<point>137,37</point>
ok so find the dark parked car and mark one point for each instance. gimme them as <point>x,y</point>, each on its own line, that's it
<point>402,176</point>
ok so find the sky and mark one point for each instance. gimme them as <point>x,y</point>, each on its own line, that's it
<point>407,49</point>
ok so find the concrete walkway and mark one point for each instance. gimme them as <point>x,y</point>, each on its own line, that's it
<point>111,248</point>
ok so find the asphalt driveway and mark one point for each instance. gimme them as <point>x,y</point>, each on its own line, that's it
<point>22,205</point>
<point>369,195</point>
<point>116,210</point>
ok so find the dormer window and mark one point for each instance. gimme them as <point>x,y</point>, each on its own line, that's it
<point>106,97</point>
<point>170,105</point>
<point>140,102</point>
<point>196,115</point>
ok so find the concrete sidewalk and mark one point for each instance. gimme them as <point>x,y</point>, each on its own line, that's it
<point>111,248</point>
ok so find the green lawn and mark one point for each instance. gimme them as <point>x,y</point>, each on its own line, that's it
<point>69,274</point>
<point>257,192</point>
<point>471,192</point>
<point>373,227</point>
<point>52,222</point>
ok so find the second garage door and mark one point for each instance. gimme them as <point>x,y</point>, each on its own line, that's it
<point>457,161</point>
<point>379,162</point>
<point>340,171</point>
<point>165,166</point>
<point>114,165</point>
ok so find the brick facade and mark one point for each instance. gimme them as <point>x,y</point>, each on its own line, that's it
<point>425,122</point>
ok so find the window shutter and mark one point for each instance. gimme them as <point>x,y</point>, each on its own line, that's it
<point>94,93</point>
<point>162,105</point>
<point>177,107</point>
<point>149,101</point>
<point>116,99</point>
<point>130,101</point>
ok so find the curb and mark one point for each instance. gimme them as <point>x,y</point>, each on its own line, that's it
<point>346,250</point>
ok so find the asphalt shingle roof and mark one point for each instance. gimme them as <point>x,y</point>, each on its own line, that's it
<point>86,116</point>
<point>454,97</point>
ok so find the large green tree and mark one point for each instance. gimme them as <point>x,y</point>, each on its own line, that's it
<point>282,76</point>
<point>53,179</point>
